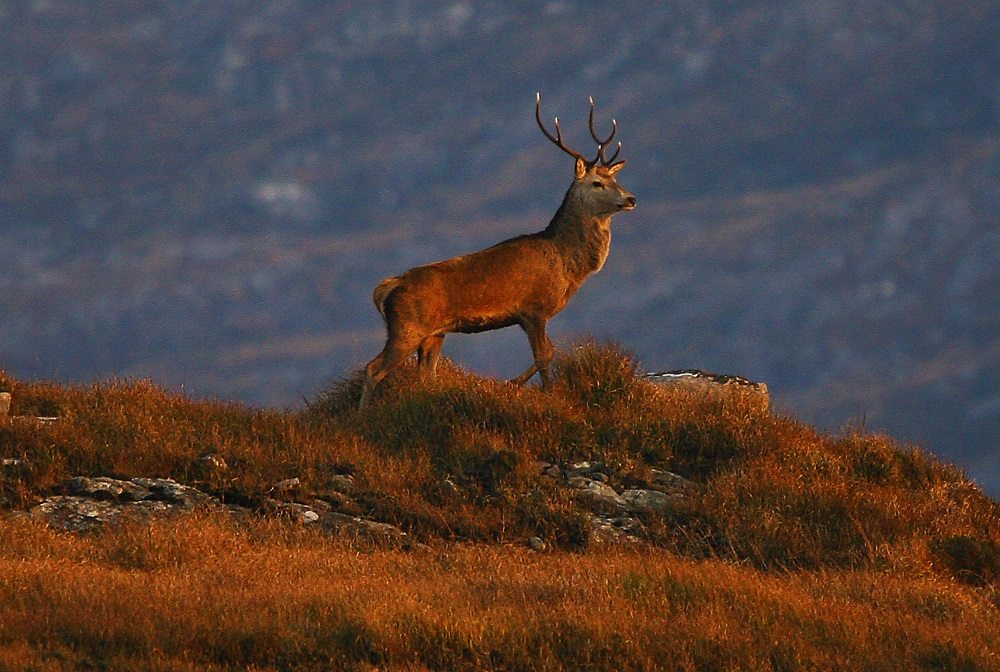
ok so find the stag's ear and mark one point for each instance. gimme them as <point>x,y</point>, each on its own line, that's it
<point>581,168</point>
<point>613,170</point>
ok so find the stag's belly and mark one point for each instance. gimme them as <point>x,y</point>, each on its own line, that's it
<point>477,323</point>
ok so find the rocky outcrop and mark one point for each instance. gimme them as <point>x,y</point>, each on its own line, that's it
<point>616,517</point>
<point>85,504</point>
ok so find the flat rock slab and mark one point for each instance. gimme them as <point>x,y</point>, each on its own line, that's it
<point>714,384</point>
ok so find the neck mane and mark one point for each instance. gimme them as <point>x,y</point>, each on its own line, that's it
<point>582,238</point>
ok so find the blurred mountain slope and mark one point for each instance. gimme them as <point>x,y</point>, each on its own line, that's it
<point>206,192</point>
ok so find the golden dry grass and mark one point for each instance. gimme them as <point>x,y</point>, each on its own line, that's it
<point>801,550</point>
<point>201,593</point>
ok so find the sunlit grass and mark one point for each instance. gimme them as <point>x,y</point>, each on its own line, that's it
<point>207,592</point>
<point>798,549</point>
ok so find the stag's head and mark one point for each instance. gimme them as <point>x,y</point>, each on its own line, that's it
<point>595,187</point>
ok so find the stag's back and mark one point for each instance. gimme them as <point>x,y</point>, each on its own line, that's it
<point>483,290</point>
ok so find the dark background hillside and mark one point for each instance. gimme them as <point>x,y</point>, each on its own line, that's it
<point>206,192</point>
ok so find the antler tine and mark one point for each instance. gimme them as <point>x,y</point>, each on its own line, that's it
<point>611,161</point>
<point>601,144</point>
<point>593,131</point>
<point>557,139</point>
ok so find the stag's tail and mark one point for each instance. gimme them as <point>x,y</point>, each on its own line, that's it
<point>382,292</point>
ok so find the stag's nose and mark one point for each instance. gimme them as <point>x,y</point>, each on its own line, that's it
<point>629,202</point>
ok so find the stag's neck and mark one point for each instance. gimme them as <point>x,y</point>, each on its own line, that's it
<point>582,239</point>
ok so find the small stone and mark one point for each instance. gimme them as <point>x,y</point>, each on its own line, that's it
<point>369,532</point>
<point>213,462</point>
<point>300,513</point>
<point>667,481</point>
<point>552,471</point>
<point>286,484</point>
<point>606,531</point>
<point>338,501</point>
<point>536,543</point>
<point>342,483</point>
<point>548,469</point>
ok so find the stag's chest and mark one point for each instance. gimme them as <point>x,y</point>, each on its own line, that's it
<point>595,248</point>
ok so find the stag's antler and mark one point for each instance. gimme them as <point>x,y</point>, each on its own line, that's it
<point>603,144</point>
<point>557,139</point>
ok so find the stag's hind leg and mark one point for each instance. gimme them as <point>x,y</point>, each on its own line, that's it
<point>395,352</point>
<point>541,348</point>
<point>429,352</point>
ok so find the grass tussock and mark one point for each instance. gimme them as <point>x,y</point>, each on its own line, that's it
<point>789,555</point>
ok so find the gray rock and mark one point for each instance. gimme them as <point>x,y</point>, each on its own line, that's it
<point>104,488</point>
<point>649,500</point>
<point>342,483</point>
<point>300,513</point>
<point>93,502</point>
<point>170,491</point>
<point>86,503</point>
<point>81,514</point>
<point>613,531</point>
<point>671,483</point>
<point>549,469</point>
<point>368,532</point>
<point>595,491</point>
<point>586,468</point>
<point>213,462</point>
<point>536,544</point>
<point>286,485</point>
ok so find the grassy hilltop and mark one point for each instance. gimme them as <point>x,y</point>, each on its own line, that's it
<point>796,550</point>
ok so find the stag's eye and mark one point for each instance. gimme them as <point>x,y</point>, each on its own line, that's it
<point>599,185</point>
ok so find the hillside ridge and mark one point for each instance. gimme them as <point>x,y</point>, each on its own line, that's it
<point>461,523</point>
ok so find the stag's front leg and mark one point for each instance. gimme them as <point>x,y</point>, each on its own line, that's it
<point>541,348</point>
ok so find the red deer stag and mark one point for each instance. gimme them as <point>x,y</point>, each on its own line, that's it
<point>524,280</point>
